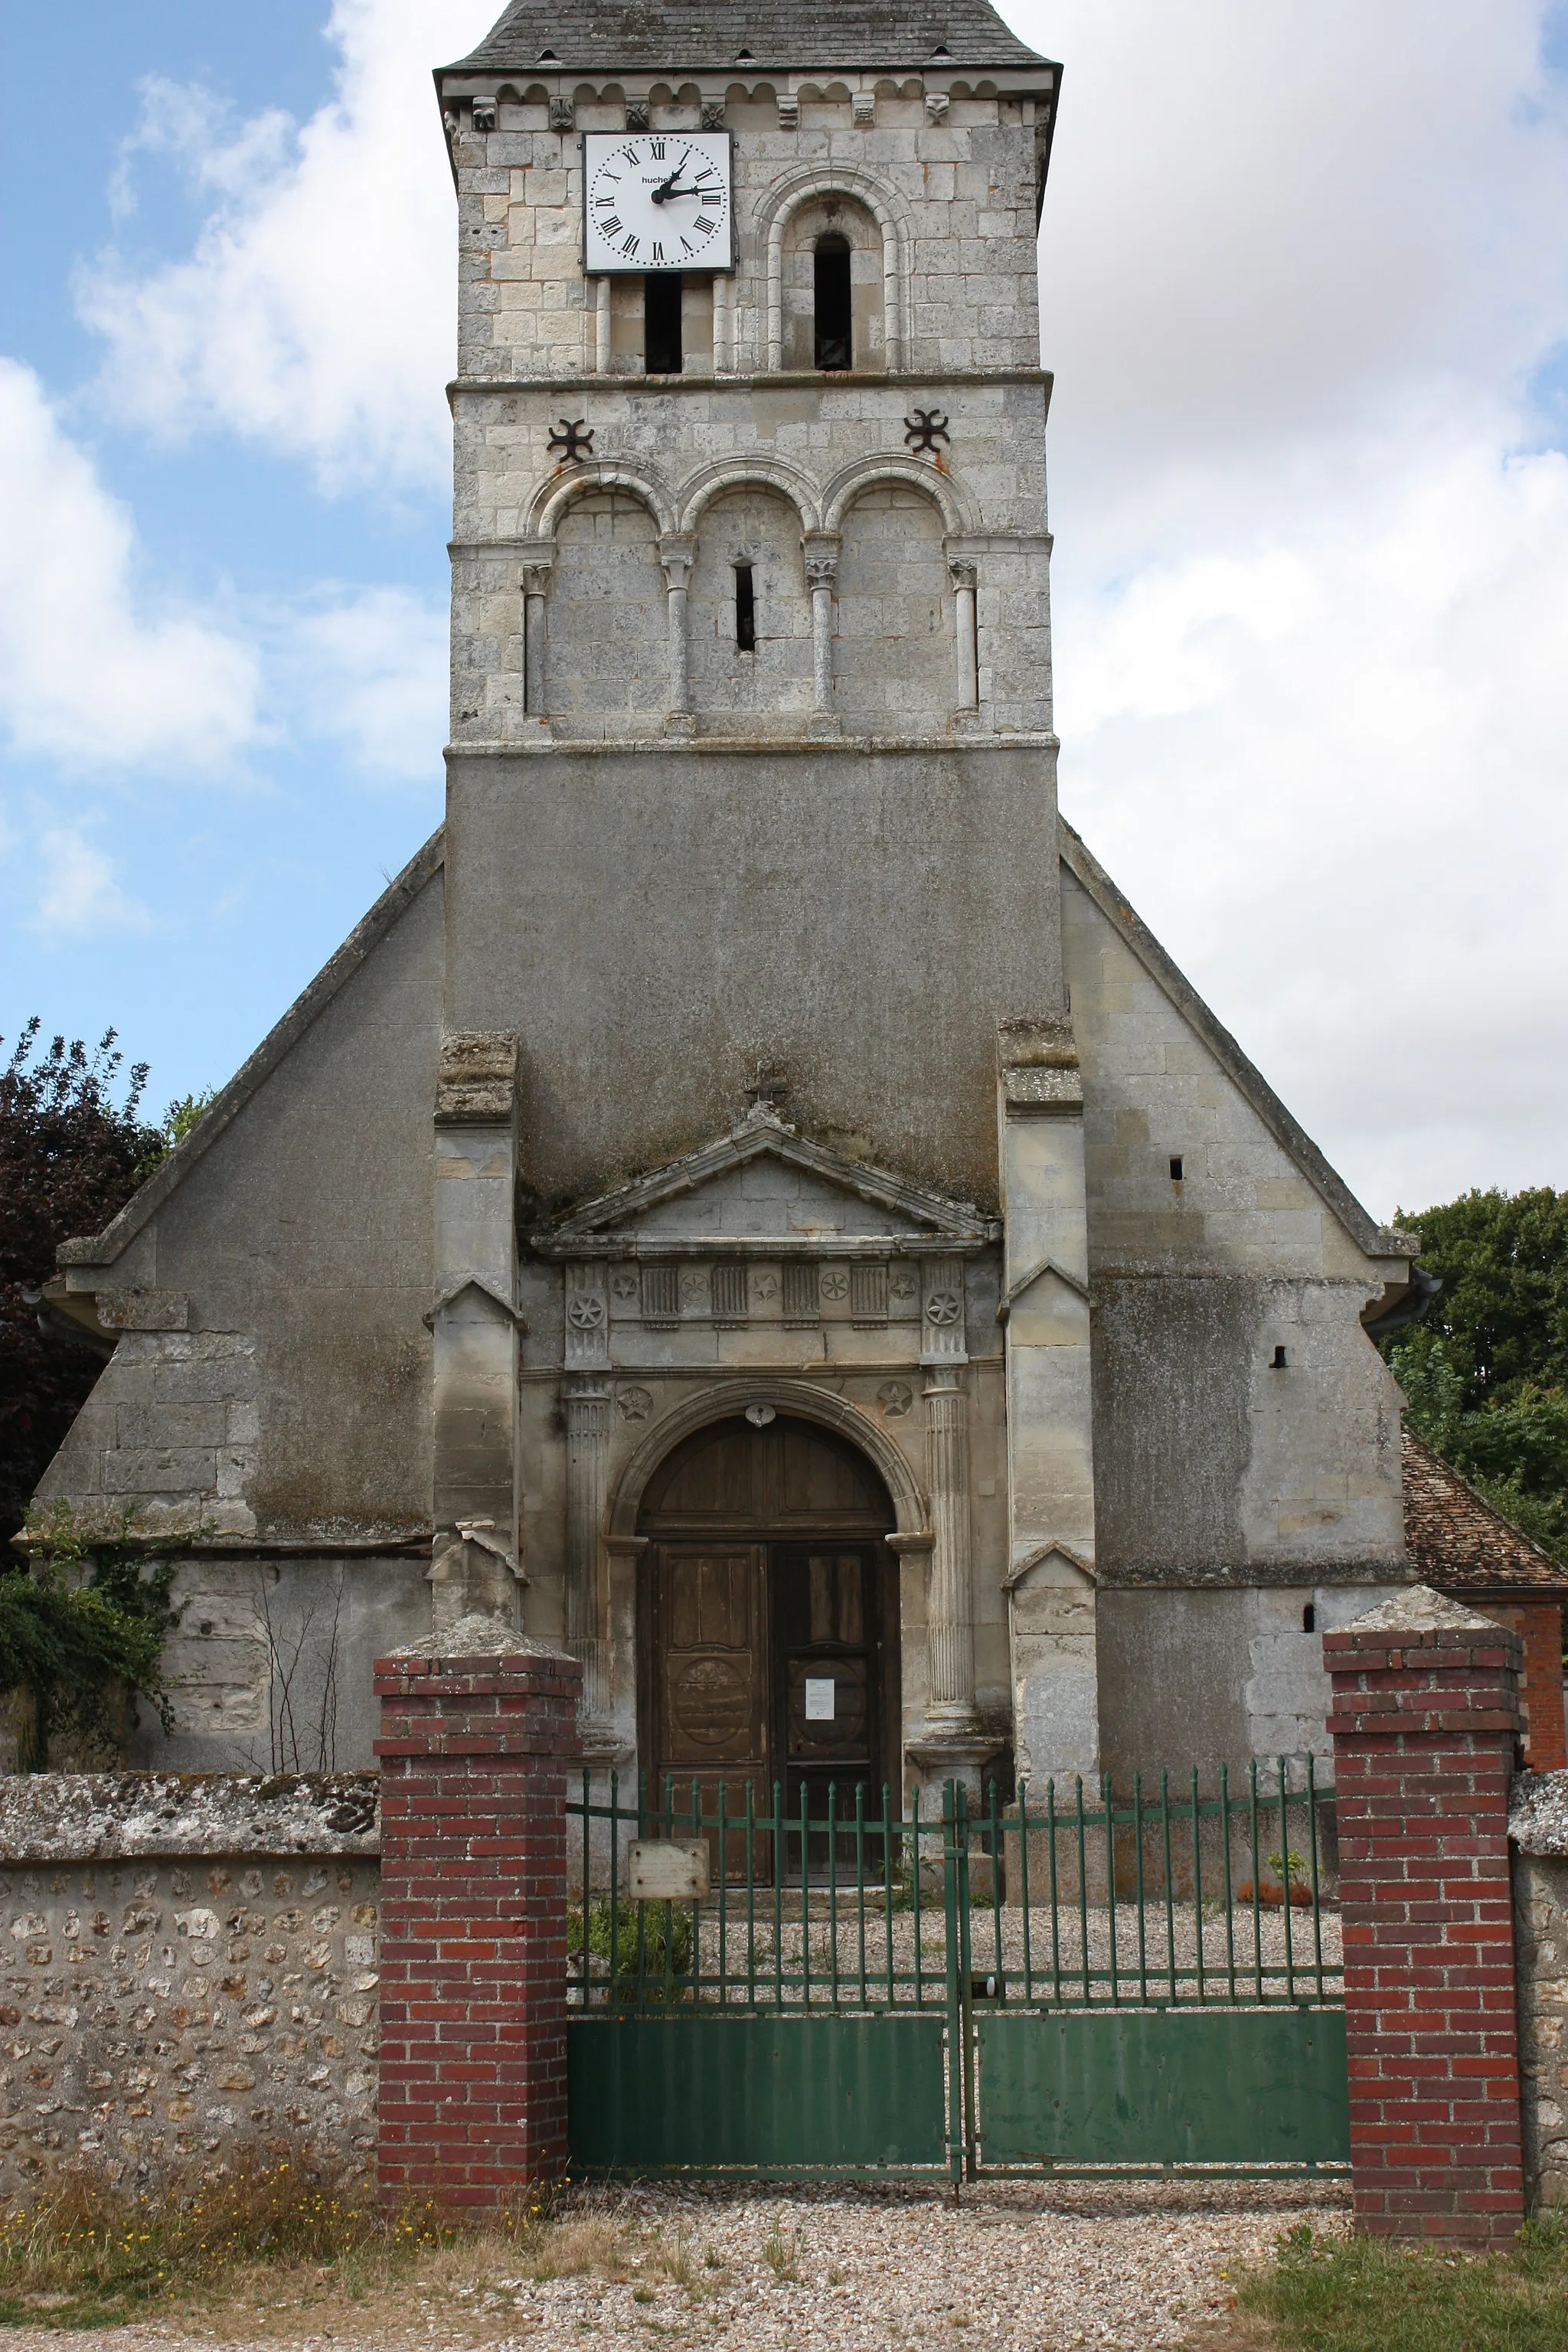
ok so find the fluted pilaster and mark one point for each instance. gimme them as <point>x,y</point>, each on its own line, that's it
<point>586,1404</point>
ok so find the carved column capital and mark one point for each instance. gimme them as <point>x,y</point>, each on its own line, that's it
<point>822,550</point>
<point>962,572</point>
<point>676,551</point>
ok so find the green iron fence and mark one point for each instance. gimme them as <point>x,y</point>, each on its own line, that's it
<point>1082,1981</point>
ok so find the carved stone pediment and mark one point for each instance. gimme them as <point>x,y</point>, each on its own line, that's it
<point>764,1190</point>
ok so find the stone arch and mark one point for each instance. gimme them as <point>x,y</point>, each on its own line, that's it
<point>553,498</point>
<point>752,671</point>
<point>803,1402</point>
<point>895,659</point>
<point>607,614</point>
<point>886,208</point>
<point>742,473</point>
<point>866,473</point>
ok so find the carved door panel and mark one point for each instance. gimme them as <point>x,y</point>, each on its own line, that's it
<point>710,1651</point>
<point>828,1642</point>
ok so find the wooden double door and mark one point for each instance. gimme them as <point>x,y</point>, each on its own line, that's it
<point>770,1629</point>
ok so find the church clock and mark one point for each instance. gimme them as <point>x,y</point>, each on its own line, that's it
<point>657,200</point>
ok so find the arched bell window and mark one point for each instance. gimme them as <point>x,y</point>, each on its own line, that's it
<point>833,310</point>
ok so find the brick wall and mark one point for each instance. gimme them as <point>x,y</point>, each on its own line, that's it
<point>1426,1724</point>
<point>474,1754</point>
<point>1538,1621</point>
<point>188,1971</point>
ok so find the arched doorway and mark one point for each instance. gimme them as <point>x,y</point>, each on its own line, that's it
<point>769,1621</point>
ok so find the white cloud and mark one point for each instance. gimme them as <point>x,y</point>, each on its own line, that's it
<point>370,672</point>
<point>316,313</point>
<point>92,671</point>
<point>1311,572</point>
<point>79,895</point>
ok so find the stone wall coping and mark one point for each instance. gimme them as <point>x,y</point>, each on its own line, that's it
<point>59,1817</point>
<point>1538,1813</point>
<point>1419,1611</point>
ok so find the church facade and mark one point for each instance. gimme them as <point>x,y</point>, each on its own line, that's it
<point>752,1202</point>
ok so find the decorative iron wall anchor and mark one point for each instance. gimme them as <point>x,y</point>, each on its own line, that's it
<point>574,437</point>
<point>925,428</point>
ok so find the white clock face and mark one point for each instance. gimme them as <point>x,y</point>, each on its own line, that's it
<point>657,200</point>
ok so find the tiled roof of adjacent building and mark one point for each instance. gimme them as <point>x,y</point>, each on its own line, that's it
<point>1458,1542</point>
<point>664,35</point>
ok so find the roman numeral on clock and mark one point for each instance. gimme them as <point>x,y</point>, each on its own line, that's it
<point>611,227</point>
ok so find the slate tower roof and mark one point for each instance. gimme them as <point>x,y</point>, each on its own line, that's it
<point>654,35</point>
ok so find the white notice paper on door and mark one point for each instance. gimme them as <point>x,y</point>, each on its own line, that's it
<point>818,1699</point>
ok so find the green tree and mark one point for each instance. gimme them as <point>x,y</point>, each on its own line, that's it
<point>70,1157</point>
<point>1486,1375</point>
<point>82,1622</point>
<point>81,1633</point>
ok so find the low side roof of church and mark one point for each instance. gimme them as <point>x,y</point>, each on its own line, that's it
<point>1458,1542</point>
<point>657,35</point>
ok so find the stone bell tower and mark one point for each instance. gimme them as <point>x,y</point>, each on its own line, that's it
<point>752,799</point>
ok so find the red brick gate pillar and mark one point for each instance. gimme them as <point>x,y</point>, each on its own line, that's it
<point>1426,1725</point>
<point>474,1756</point>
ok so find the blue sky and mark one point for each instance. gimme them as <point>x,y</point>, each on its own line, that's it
<point>1305,288</point>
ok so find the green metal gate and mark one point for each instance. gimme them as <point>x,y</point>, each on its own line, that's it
<point>1142,1984</point>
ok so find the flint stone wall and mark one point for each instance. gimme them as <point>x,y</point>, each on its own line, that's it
<point>1538,1830</point>
<point>188,1972</point>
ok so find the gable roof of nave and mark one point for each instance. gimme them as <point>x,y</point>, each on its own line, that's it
<point>666,36</point>
<point>102,1249</point>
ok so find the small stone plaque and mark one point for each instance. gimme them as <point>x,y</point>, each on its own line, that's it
<point>667,1870</point>
<point>819,1706</point>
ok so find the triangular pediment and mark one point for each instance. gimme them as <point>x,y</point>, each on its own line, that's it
<point>764,1186</point>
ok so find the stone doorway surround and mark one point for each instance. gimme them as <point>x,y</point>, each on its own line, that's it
<point>767,1275</point>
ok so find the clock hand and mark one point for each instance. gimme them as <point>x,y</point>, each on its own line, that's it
<point>661,195</point>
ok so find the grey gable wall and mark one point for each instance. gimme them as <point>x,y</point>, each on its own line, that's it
<point>1230,1498</point>
<point>295,1254</point>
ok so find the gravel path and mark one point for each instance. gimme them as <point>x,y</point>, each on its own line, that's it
<point>1013,2269</point>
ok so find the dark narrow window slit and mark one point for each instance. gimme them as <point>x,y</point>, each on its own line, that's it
<point>1279,1359</point>
<point>745,610</point>
<point>1176,1170</point>
<point>835,330</point>
<point>661,352</point>
<point>1309,1619</point>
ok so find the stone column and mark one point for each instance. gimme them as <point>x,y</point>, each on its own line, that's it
<point>724,322</point>
<point>951,1601</point>
<point>586,1406</point>
<point>601,326</point>
<point>474,1754</point>
<point>949,1749</point>
<point>675,554</point>
<point>1426,1723</point>
<point>822,550</point>
<point>535,687</point>
<point>475,1566</point>
<point>1045,1309</point>
<point>962,575</point>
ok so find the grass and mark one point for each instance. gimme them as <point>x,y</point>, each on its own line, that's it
<point>1364,2294</point>
<point>277,2250</point>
